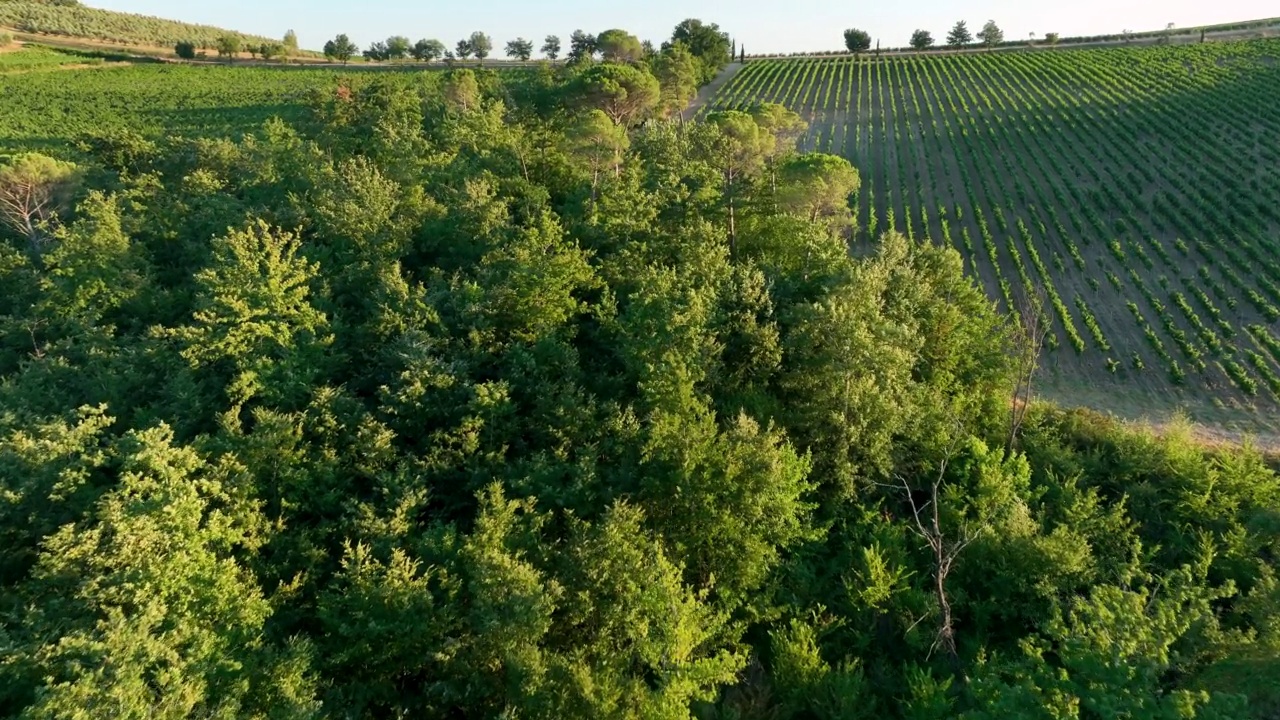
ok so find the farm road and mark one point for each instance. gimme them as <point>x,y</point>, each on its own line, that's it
<point>710,89</point>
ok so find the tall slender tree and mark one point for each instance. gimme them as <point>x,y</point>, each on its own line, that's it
<point>551,47</point>
<point>991,35</point>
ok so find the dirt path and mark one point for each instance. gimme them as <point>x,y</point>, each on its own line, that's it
<point>709,90</point>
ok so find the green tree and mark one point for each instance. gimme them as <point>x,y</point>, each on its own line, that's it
<point>677,73</point>
<point>783,128</point>
<point>626,94</point>
<point>551,47</point>
<point>272,51</point>
<point>427,50</point>
<point>739,153</point>
<point>921,40</point>
<point>462,90</point>
<point>1051,38</point>
<point>619,46</point>
<point>290,42</point>
<point>857,40</point>
<point>648,641</point>
<point>91,267</point>
<point>599,143</point>
<point>253,316</point>
<point>991,35</point>
<point>481,45</point>
<point>398,47</point>
<point>520,49</point>
<point>185,50</point>
<point>819,187</point>
<point>340,48</point>
<point>707,43</point>
<point>378,52</point>
<point>464,49</point>
<point>959,35</point>
<point>1105,653</point>
<point>229,46</point>
<point>143,610</point>
<point>582,47</point>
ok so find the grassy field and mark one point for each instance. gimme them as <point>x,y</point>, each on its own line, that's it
<point>1135,190</point>
<point>46,106</point>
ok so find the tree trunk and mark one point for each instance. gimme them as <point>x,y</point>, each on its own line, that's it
<point>946,633</point>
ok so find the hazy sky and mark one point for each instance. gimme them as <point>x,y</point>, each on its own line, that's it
<point>761,25</point>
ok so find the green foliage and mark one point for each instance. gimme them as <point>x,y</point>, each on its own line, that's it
<point>427,50</point>
<point>619,46</point>
<point>677,71</point>
<point>252,316</point>
<point>808,686</point>
<point>520,49</point>
<point>398,47</point>
<point>551,47</point>
<point>959,35</point>
<point>340,48</point>
<point>921,40</point>
<point>856,40</point>
<point>144,611</point>
<point>480,45</point>
<point>818,187</point>
<point>456,394</point>
<point>707,43</point>
<point>229,46</point>
<point>626,94</point>
<point>991,34</point>
<point>1109,653</point>
<point>185,50</point>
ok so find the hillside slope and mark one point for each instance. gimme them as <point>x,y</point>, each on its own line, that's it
<point>1133,189</point>
<point>71,19</point>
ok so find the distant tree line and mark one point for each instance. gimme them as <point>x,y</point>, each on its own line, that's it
<point>703,46</point>
<point>231,45</point>
<point>992,36</point>
<point>858,41</point>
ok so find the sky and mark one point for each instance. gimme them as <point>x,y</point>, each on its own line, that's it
<point>762,26</point>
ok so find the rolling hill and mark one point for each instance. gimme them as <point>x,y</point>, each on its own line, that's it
<point>70,19</point>
<point>1132,189</point>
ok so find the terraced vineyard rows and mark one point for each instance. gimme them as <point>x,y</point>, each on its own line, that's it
<point>1134,190</point>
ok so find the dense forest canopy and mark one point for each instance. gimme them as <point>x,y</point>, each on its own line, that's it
<point>501,395</point>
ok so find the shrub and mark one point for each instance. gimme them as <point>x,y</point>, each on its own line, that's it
<point>185,50</point>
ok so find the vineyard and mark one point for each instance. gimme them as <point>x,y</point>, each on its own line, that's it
<point>1135,192</point>
<point>44,111</point>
